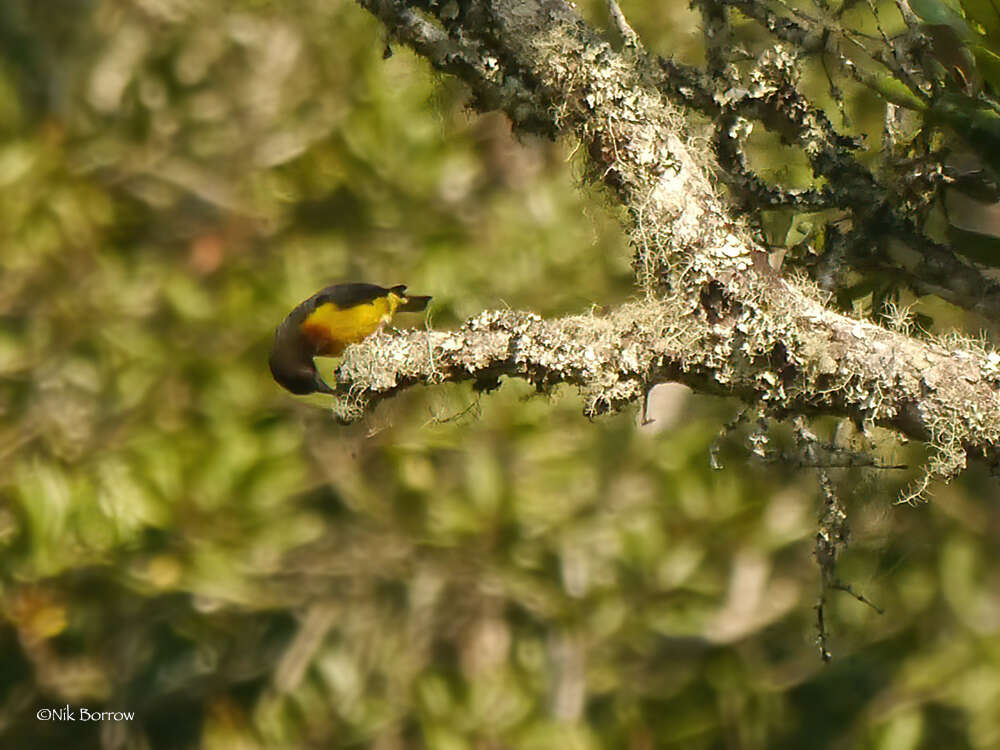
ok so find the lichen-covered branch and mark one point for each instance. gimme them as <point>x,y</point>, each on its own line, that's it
<point>769,95</point>
<point>793,357</point>
<point>716,316</point>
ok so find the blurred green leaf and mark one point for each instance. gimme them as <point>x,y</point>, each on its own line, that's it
<point>987,14</point>
<point>975,120</point>
<point>897,92</point>
<point>988,63</point>
<point>941,12</point>
<point>982,248</point>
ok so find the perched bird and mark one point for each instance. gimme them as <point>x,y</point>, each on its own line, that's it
<point>326,323</point>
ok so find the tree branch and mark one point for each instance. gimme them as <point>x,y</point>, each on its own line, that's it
<point>715,316</point>
<point>799,358</point>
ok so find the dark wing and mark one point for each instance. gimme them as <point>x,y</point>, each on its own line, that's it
<point>347,295</point>
<point>342,295</point>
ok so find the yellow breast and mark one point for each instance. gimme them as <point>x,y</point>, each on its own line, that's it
<point>331,329</point>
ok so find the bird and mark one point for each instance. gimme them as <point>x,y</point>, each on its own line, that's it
<point>326,323</point>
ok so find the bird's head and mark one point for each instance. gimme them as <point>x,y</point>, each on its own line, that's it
<point>293,367</point>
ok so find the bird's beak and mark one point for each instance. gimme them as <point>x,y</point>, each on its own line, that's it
<point>322,386</point>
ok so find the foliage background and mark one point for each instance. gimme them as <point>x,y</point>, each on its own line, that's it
<point>182,539</point>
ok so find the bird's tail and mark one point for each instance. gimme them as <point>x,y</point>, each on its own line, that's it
<point>409,303</point>
<point>413,304</point>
